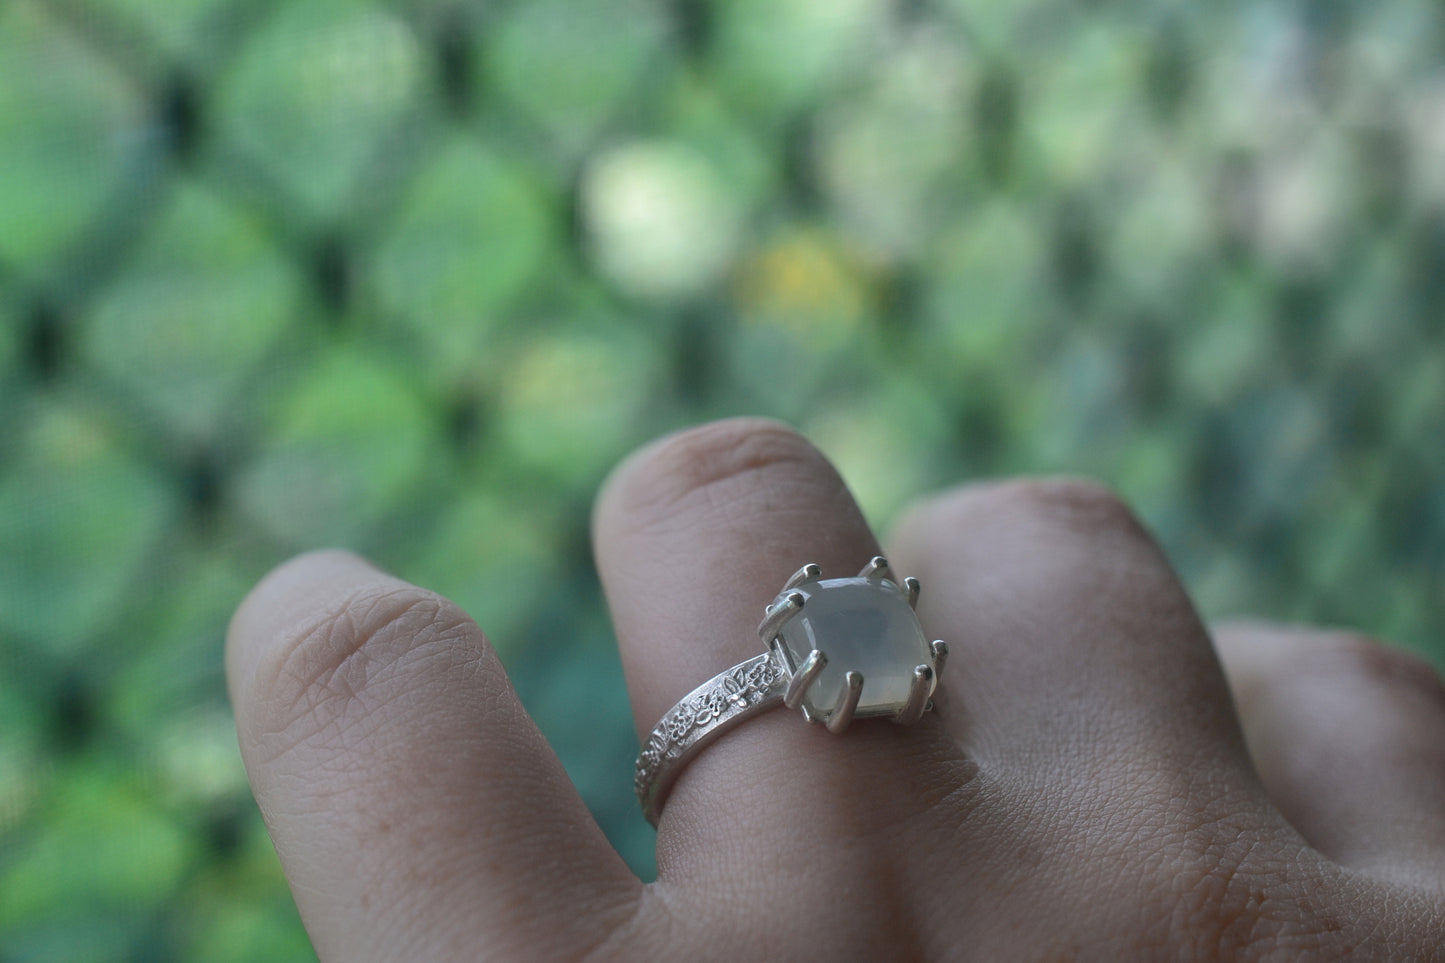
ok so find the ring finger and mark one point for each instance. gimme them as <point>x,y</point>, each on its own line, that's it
<point>693,535</point>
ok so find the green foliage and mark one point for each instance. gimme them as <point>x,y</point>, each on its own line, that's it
<point>411,276</point>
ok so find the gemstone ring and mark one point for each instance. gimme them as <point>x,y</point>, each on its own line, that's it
<point>838,649</point>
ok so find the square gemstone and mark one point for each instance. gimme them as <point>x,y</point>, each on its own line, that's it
<point>861,625</point>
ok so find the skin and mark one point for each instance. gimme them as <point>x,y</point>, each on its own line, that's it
<point>1105,778</point>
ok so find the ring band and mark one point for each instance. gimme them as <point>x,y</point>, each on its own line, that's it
<point>825,641</point>
<point>703,714</point>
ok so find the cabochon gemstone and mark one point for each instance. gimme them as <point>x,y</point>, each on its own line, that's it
<point>862,625</point>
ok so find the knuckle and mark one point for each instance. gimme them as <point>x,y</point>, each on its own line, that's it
<point>1352,659</point>
<point>1074,503</point>
<point>1369,657</point>
<point>1071,506</point>
<point>333,670</point>
<point>669,477</point>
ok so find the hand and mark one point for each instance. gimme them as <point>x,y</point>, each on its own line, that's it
<point>1087,788</point>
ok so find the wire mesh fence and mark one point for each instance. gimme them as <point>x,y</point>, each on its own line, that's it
<point>410,277</point>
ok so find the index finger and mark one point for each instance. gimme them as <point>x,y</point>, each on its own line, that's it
<point>417,810</point>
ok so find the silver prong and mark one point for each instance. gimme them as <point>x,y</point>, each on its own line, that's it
<point>808,573</point>
<point>940,656</point>
<point>847,703</point>
<point>918,693</point>
<point>877,567</point>
<point>807,672</point>
<point>911,587</point>
<point>777,614</point>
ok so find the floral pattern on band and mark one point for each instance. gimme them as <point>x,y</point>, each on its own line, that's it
<point>740,691</point>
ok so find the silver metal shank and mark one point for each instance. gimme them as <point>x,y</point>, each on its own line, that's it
<point>765,681</point>
<point>705,713</point>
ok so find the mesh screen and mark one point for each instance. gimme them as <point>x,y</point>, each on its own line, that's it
<point>410,277</point>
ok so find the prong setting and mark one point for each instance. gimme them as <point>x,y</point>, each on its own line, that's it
<point>807,672</point>
<point>911,588</point>
<point>852,627</point>
<point>778,613</point>
<point>918,694</point>
<point>877,567</point>
<point>847,703</point>
<point>940,656</point>
<point>816,661</point>
<point>808,573</point>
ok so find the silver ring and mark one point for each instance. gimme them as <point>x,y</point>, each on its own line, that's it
<point>837,649</point>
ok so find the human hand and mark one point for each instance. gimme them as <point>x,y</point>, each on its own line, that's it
<point>1084,790</point>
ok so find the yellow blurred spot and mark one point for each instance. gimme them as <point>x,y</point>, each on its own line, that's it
<point>805,284</point>
<point>68,438</point>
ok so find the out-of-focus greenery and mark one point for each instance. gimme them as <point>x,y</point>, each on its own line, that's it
<point>410,277</point>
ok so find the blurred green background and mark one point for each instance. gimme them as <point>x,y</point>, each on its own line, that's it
<point>410,277</point>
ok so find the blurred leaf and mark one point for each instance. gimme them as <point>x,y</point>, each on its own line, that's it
<point>570,397</point>
<point>315,91</point>
<point>206,296</point>
<point>69,123</point>
<point>475,231</point>
<point>9,346</point>
<point>494,554</point>
<point>104,847</point>
<point>347,442</point>
<point>776,55</point>
<point>570,66</point>
<point>78,513</point>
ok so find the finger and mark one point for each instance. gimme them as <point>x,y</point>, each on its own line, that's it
<point>1084,684</point>
<point>1075,644</point>
<point>1349,738</point>
<point>1086,687</point>
<point>693,536</point>
<point>418,812</point>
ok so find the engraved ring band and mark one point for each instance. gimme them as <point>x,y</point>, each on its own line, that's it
<point>838,649</point>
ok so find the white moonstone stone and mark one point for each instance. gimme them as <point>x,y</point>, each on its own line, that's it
<point>861,625</point>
